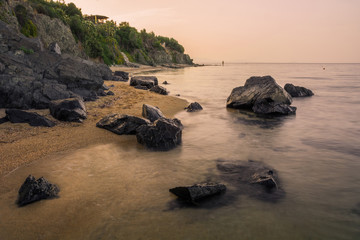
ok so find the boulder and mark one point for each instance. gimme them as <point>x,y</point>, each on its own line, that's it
<point>265,107</point>
<point>259,90</point>
<point>164,134</point>
<point>193,107</point>
<point>198,192</point>
<point>121,123</point>
<point>158,89</point>
<point>4,120</point>
<point>33,190</point>
<point>55,48</point>
<point>119,79</point>
<point>296,91</point>
<point>123,75</point>
<point>141,87</point>
<point>147,81</point>
<point>71,109</point>
<point>34,119</point>
<point>165,83</point>
<point>152,113</point>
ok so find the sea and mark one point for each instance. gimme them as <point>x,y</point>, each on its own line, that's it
<point>121,191</point>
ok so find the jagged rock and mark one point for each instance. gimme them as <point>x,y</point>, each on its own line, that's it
<point>152,113</point>
<point>198,192</point>
<point>121,123</point>
<point>147,81</point>
<point>33,190</point>
<point>110,93</point>
<point>265,107</point>
<point>55,48</point>
<point>71,110</point>
<point>296,91</point>
<point>164,134</point>
<point>34,119</point>
<point>257,91</point>
<point>193,107</point>
<point>158,89</point>
<point>123,75</point>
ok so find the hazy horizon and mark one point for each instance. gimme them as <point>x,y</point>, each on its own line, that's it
<point>245,31</point>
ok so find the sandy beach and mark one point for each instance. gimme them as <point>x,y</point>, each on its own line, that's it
<point>22,144</point>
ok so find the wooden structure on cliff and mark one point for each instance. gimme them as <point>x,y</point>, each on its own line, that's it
<point>97,19</point>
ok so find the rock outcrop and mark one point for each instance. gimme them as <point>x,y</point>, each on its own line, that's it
<point>297,91</point>
<point>152,113</point>
<point>71,110</point>
<point>193,107</point>
<point>261,95</point>
<point>122,124</point>
<point>34,119</point>
<point>164,134</point>
<point>198,192</point>
<point>34,190</point>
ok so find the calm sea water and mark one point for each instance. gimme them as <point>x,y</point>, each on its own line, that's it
<point>118,191</point>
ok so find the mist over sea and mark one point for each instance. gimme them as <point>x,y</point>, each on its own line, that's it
<point>118,191</point>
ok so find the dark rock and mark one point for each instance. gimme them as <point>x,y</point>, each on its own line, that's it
<point>110,93</point>
<point>178,95</point>
<point>259,90</point>
<point>112,85</point>
<point>119,79</point>
<point>85,94</point>
<point>151,113</point>
<point>123,75</point>
<point>163,135</point>
<point>71,109</point>
<point>165,83</point>
<point>104,87</point>
<point>34,119</point>
<point>296,91</point>
<point>55,91</point>
<point>265,107</point>
<point>100,92</point>
<point>4,120</point>
<point>2,67</point>
<point>141,87</point>
<point>147,81</point>
<point>55,48</point>
<point>34,190</point>
<point>198,192</point>
<point>193,107</point>
<point>122,124</point>
<point>158,89</point>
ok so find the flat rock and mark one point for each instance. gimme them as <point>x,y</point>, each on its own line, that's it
<point>193,107</point>
<point>71,110</point>
<point>198,192</point>
<point>164,134</point>
<point>34,119</point>
<point>297,91</point>
<point>33,190</point>
<point>160,90</point>
<point>152,113</point>
<point>122,124</point>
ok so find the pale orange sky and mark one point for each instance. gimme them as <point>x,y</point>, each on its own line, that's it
<point>246,30</point>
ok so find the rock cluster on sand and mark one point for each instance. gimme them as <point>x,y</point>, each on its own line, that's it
<point>34,190</point>
<point>262,95</point>
<point>71,110</point>
<point>148,83</point>
<point>198,192</point>
<point>297,91</point>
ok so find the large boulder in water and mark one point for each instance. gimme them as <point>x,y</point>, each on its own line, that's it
<point>198,192</point>
<point>194,107</point>
<point>164,134</point>
<point>34,119</point>
<point>121,123</point>
<point>71,110</point>
<point>297,91</point>
<point>258,90</point>
<point>266,106</point>
<point>152,113</point>
<point>34,190</point>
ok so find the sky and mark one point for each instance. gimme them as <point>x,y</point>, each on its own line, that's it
<point>281,31</point>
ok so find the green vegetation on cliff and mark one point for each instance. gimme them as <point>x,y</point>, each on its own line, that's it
<point>106,40</point>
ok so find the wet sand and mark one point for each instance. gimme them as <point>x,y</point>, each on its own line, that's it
<point>22,144</point>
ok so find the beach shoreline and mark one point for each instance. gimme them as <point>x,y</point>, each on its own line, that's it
<point>22,144</point>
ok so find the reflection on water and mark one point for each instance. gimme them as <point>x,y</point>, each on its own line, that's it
<point>118,191</point>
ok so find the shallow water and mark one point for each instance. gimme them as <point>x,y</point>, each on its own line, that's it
<point>121,191</point>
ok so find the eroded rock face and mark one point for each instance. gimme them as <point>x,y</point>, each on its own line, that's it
<point>262,91</point>
<point>297,91</point>
<point>164,134</point>
<point>152,113</point>
<point>122,124</point>
<point>193,107</point>
<point>34,190</point>
<point>198,192</point>
<point>34,119</point>
<point>71,110</point>
<point>145,81</point>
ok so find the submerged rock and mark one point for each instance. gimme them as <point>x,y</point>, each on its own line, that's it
<point>261,91</point>
<point>71,110</point>
<point>164,134</point>
<point>145,81</point>
<point>158,89</point>
<point>33,190</point>
<point>121,123</point>
<point>193,107</point>
<point>34,119</point>
<point>198,192</point>
<point>297,91</point>
<point>152,113</point>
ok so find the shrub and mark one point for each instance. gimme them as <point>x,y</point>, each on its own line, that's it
<point>26,50</point>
